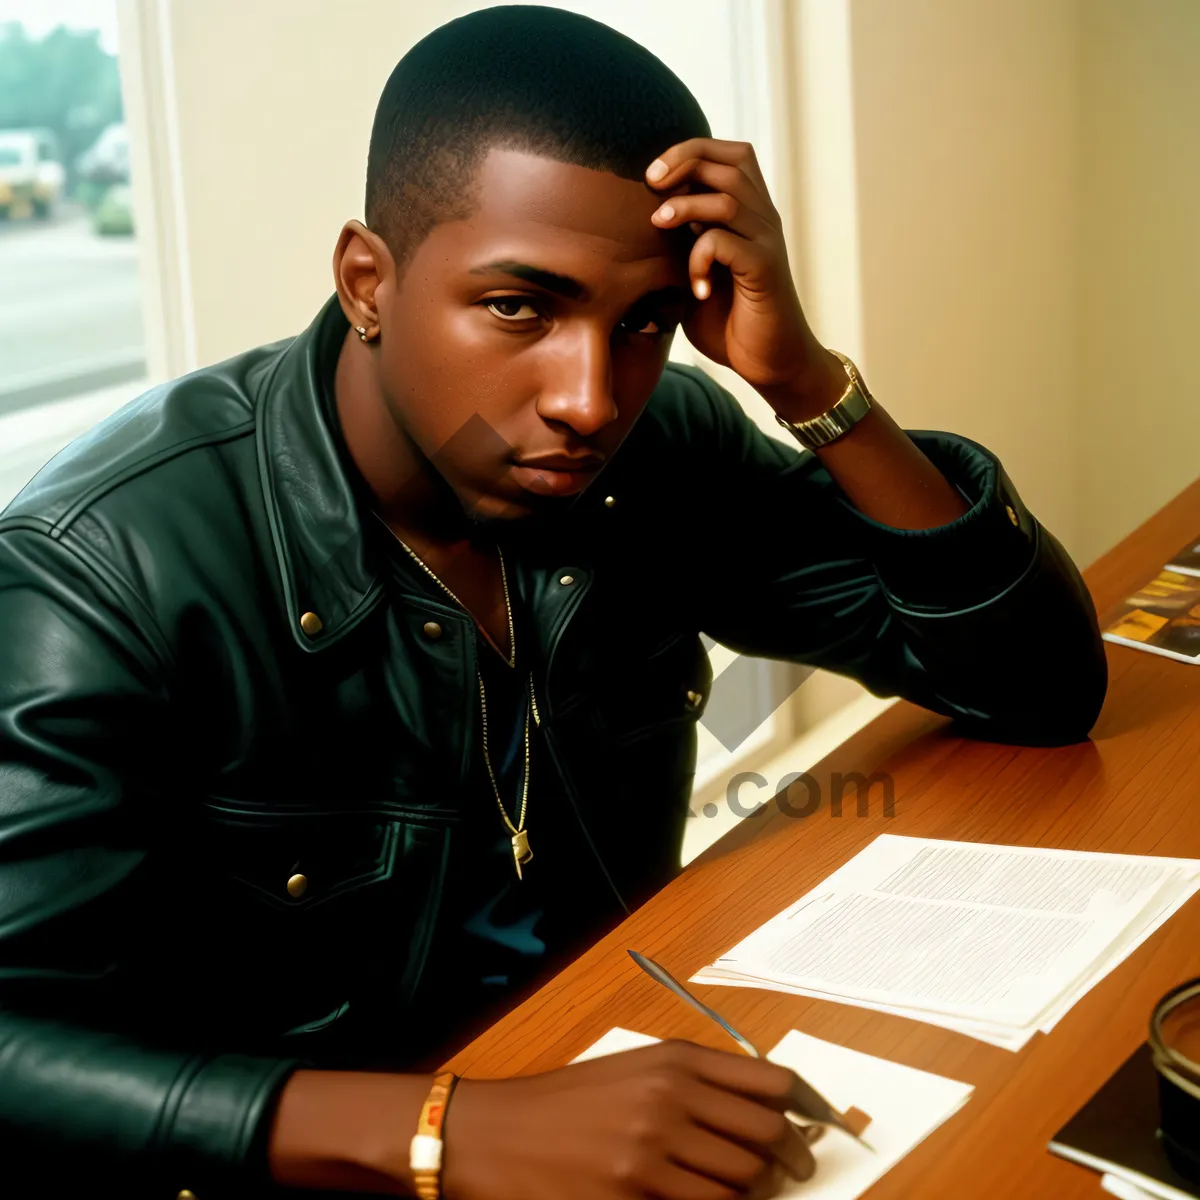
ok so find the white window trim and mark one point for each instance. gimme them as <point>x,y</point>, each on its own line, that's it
<point>147,64</point>
<point>761,40</point>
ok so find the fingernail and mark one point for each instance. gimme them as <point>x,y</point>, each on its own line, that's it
<point>701,288</point>
<point>656,170</point>
<point>665,213</point>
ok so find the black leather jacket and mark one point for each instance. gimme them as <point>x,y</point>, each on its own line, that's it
<point>174,745</point>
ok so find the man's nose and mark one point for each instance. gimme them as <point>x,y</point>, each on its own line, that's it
<point>577,389</point>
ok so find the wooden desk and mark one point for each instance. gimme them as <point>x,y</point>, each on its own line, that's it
<point>1134,788</point>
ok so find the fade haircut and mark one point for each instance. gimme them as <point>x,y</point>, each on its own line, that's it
<point>520,77</point>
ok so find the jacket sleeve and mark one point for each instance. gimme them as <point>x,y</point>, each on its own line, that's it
<point>84,745</point>
<point>985,620</point>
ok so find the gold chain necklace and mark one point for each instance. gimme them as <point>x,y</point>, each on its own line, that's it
<point>522,854</point>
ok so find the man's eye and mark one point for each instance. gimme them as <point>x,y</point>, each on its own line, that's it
<point>648,326</point>
<point>508,308</point>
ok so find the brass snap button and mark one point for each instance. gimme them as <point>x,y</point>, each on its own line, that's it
<point>311,624</point>
<point>1012,516</point>
<point>609,501</point>
<point>432,629</point>
<point>297,885</point>
<point>567,580</point>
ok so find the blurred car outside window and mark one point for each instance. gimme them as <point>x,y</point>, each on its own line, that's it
<point>72,346</point>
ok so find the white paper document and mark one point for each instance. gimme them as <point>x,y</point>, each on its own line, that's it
<point>905,1107</point>
<point>613,1042</point>
<point>995,942</point>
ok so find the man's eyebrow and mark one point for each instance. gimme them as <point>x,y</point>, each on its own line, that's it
<point>565,285</point>
<point>550,281</point>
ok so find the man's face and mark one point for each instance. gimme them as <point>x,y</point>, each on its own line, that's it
<point>521,344</point>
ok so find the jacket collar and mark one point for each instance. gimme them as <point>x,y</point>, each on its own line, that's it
<point>311,502</point>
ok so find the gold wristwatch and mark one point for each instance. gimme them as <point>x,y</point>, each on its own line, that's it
<point>854,404</point>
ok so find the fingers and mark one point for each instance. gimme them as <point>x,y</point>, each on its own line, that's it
<point>743,227</point>
<point>738,192</point>
<point>770,1185</point>
<point>731,1113</point>
<point>716,150</point>
<point>719,1158</point>
<point>745,1099</point>
<point>756,1078</point>
<point>667,1181</point>
<point>730,181</point>
<point>752,264</point>
<point>713,208</point>
<point>763,1130</point>
<point>794,1150</point>
<point>728,1125</point>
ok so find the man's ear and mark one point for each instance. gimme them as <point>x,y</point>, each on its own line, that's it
<point>361,262</point>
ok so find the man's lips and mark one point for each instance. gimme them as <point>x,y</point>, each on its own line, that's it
<point>563,462</point>
<point>556,474</point>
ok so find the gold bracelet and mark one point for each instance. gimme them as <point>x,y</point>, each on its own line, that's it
<point>425,1152</point>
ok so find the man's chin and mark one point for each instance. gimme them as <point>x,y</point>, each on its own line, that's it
<point>503,515</point>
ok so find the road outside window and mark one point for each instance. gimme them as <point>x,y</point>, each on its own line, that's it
<point>71,338</point>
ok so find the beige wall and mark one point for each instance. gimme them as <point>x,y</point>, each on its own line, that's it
<point>1012,239</point>
<point>1140,281</point>
<point>274,103</point>
<point>965,119</point>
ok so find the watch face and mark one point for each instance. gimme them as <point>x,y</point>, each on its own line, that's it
<point>858,402</point>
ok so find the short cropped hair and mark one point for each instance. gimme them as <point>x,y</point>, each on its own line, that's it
<point>521,77</point>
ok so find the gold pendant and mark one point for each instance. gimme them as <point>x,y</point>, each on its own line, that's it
<point>521,851</point>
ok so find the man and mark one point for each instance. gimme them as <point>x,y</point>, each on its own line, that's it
<point>350,686</point>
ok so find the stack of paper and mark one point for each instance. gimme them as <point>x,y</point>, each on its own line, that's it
<point>997,942</point>
<point>905,1106</point>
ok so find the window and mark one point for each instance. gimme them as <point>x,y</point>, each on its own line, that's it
<point>71,339</point>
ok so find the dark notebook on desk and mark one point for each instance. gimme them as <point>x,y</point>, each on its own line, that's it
<point>1116,1132</point>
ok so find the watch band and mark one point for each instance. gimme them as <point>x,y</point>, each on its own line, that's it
<point>425,1150</point>
<point>852,406</point>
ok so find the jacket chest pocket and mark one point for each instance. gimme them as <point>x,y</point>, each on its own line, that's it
<point>301,913</point>
<point>299,868</point>
<point>303,863</point>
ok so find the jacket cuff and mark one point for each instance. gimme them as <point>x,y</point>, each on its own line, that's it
<point>969,561</point>
<point>216,1135</point>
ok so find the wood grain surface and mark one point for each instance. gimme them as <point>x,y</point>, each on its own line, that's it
<point>1133,788</point>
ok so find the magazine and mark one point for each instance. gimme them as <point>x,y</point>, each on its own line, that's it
<point>1187,561</point>
<point>1163,617</point>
